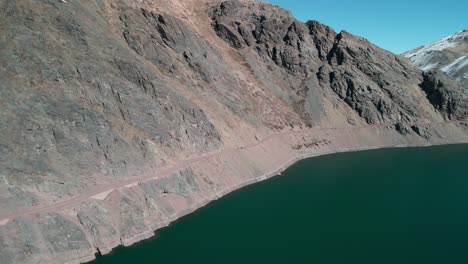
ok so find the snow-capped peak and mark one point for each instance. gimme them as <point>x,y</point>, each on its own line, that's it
<point>449,54</point>
<point>421,55</point>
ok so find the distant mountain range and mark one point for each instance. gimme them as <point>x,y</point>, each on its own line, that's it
<point>449,54</point>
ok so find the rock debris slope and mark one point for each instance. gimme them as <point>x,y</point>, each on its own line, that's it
<point>449,54</point>
<point>118,117</point>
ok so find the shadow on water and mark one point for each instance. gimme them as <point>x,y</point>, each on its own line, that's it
<point>391,206</point>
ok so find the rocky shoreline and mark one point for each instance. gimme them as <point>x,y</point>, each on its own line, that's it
<point>212,178</point>
<point>418,142</point>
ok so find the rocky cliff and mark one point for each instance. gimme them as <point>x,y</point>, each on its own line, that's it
<point>118,117</point>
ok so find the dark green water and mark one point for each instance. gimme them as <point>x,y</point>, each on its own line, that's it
<point>383,206</point>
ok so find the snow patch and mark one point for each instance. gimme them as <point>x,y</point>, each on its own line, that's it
<point>456,66</point>
<point>429,67</point>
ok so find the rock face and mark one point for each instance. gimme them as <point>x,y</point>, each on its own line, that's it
<point>449,54</point>
<point>118,117</point>
<point>371,81</point>
<point>445,94</point>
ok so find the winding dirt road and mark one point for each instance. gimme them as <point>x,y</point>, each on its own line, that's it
<point>4,219</point>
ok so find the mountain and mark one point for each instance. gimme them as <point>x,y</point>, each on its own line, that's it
<point>449,54</point>
<point>118,117</point>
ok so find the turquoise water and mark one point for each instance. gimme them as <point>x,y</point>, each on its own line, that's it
<point>382,206</point>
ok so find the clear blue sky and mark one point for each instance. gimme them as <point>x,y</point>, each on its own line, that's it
<point>397,25</point>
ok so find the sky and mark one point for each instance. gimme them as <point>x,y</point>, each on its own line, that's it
<point>395,25</point>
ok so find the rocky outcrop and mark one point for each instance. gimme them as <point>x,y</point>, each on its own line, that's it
<point>118,117</point>
<point>373,82</point>
<point>370,80</point>
<point>445,94</point>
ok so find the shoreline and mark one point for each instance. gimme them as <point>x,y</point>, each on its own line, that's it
<point>151,234</point>
<point>209,179</point>
<point>101,194</point>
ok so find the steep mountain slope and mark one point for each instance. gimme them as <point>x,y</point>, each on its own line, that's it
<point>118,117</point>
<point>449,54</point>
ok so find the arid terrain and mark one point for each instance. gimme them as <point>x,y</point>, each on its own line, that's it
<point>118,117</point>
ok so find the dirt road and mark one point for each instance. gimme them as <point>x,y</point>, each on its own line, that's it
<point>4,218</point>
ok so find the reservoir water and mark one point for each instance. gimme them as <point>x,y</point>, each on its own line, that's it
<point>390,206</point>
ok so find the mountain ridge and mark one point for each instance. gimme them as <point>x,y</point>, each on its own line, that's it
<point>449,54</point>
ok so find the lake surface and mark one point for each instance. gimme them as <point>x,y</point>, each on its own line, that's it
<point>381,206</point>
